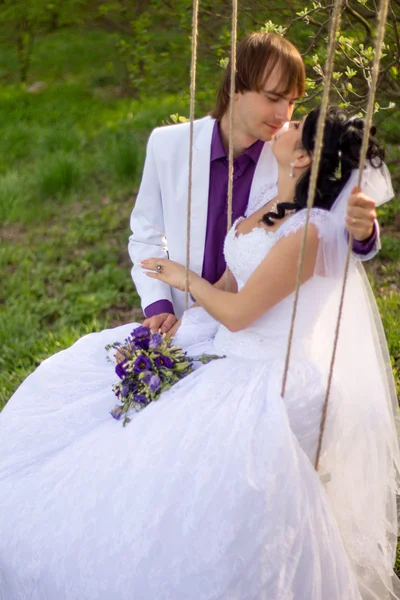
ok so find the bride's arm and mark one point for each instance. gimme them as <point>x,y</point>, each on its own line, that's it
<point>220,285</point>
<point>273,280</point>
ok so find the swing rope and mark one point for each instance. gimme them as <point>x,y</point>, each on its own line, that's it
<point>231,114</point>
<point>231,108</point>
<point>333,31</point>
<point>195,30</point>
<point>382,15</point>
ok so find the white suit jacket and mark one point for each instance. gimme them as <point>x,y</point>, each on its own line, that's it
<point>158,219</point>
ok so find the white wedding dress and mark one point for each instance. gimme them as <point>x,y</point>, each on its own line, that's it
<point>210,492</point>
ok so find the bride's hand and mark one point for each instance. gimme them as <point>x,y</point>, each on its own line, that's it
<point>361,215</point>
<point>166,270</point>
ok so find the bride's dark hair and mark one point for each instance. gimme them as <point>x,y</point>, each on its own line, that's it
<point>342,143</point>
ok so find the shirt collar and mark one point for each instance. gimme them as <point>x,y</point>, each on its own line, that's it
<point>218,150</point>
<point>255,150</point>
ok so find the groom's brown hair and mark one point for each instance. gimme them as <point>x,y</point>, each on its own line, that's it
<point>256,57</point>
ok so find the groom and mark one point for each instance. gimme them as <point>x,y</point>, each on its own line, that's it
<point>270,78</point>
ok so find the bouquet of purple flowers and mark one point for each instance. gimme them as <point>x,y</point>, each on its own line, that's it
<point>149,365</point>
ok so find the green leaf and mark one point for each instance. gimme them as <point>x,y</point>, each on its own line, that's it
<point>350,72</point>
<point>271,27</point>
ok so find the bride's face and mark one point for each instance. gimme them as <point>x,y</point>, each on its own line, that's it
<point>286,142</point>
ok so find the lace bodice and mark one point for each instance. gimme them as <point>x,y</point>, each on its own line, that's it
<point>243,253</point>
<point>264,195</point>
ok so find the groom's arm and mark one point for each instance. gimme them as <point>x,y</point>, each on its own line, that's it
<point>148,237</point>
<point>368,248</point>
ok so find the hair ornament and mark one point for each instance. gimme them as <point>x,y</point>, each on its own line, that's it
<point>338,172</point>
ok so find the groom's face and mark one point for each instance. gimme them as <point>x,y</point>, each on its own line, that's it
<point>260,115</point>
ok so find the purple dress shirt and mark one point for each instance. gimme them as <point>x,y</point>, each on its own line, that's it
<point>244,166</point>
<point>243,171</point>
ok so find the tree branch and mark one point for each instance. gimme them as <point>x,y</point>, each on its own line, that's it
<point>361,20</point>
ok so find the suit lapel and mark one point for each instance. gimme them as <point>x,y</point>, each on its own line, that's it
<point>200,187</point>
<point>266,172</point>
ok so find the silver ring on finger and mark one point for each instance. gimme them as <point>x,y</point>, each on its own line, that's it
<point>159,268</point>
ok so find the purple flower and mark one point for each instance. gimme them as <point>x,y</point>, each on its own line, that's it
<point>141,332</point>
<point>163,361</point>
<point>140,398</point>
<point>142,363</point>
<point>120,370</point>
<point>141,337</point>
<point>147,377</point>
<point>155,341</point>
<point>125,389</point>
<point>133,386</point>
<point>128,387</point>
<point>155,383</point>
<point>117,411</point>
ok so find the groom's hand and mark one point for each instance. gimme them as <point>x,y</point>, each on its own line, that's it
<point>361,215</point>
<point>174,329</point>
<point>163,321</point>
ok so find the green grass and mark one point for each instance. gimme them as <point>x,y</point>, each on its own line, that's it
<point>70,163</point>
<point>76,138</point>
<point>384,275</point>
<point>62,279</point>
<point>389,308</point>
<point>58,175</point>
<point>70,144</point>
<point>73,54</point>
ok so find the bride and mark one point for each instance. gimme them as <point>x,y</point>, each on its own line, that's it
<point>210,492</point>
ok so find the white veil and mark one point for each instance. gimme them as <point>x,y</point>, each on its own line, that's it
<point>360,449</point>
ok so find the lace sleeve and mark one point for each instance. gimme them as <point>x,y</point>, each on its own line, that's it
<point>319,217</point>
